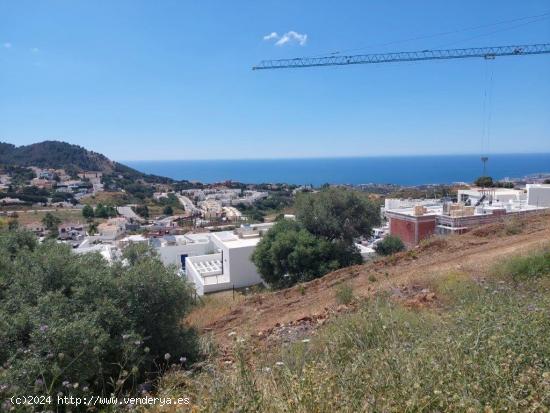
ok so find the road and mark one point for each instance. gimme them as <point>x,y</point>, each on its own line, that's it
<point>129,213</point>
<point>188,204</point>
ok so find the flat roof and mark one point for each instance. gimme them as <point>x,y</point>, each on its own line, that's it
<point>431,210</point>
<point>478,190</point>
<point>481,210</point>
<point>230,240</point>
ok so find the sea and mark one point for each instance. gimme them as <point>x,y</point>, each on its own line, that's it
<point>400,170</point>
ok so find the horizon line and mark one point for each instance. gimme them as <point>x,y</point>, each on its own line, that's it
<point>332,157</point>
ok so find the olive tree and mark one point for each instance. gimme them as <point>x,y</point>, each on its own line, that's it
<point>289,253</point>
<point>76,324</point>
<point>337,214</point>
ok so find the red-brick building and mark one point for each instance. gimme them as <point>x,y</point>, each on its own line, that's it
<point>411,229</point>
<point>412,225</point>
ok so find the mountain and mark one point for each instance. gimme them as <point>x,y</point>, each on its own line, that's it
<point>62,155</point>
<point>54,154</point>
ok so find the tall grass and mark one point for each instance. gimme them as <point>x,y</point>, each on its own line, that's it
<point>344,293</point>
<point>489,350</point>
<point>520,268</point>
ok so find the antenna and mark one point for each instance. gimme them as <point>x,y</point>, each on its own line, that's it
<point>484,160</point>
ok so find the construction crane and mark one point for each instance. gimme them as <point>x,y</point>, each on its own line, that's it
<point>488,53</point>
<point>335,60</point>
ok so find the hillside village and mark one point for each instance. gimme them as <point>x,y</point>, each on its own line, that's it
<point>264,207</point>
<point>209,233</point>
<point>210,277</point>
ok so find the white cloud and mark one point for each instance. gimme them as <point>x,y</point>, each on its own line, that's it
<point>7,45</point>
<point>292,37</point>
<point>272,35</point>
<point>287,38</point>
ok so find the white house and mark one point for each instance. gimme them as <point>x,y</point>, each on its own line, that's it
<point>174,249</point>
<point>107,251</point>
<point>214,261</point>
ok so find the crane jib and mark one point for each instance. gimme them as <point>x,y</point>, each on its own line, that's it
<point>483,52</point>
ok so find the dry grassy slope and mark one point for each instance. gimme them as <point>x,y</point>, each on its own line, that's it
<point>471,254</point>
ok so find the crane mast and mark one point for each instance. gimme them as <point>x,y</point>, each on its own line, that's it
<point>340,60</point>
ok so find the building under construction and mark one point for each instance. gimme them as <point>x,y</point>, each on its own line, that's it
<point>475,207</point>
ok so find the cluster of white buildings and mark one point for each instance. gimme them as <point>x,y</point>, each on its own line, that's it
<point>218,203</point>
<point>225,196</point>
<point>216,261</point>
<point>211,261</point>
<point>60,181</point>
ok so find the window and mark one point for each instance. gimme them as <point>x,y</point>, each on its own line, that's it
<point>182,258</point>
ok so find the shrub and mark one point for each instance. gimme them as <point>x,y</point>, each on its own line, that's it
<point>105,211</point>
<point>88,212</point>
<point>389,245</point>
<point>535,265</point>
<point>141,210</point>
<point>75,324</point>
<point>51,222</point>
<point>484,181</point>
<point>344,293</point>
<point>513,227</point>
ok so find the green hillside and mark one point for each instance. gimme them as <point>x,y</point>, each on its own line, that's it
<point>62,155</point>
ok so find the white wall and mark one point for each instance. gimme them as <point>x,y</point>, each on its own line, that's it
<point>238,266</point>
<point>538,195</point>
<point>109,234</point>
<point>242,270</point>
<point>206,285</point>
<point>171,254</point>
<point>194,278</point>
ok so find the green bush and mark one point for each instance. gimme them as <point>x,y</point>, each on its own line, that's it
<point>344,293</point>
<point>389,245</point>
<point>141,210</point>
<point>104,211</point>
<point>288,253</point>
<point>78,325</point>
<point>88,212</point>
<point>484,181</point>
<point>513,227</point>
<point>524,267</point>
<point>51,222</point>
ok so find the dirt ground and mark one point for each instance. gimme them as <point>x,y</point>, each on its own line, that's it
<point>301,308</point>
<point>32,215</point>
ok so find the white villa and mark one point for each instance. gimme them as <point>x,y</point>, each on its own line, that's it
<point>214,261</point>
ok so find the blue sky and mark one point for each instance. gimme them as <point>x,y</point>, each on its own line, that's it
<point>172,79</point>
